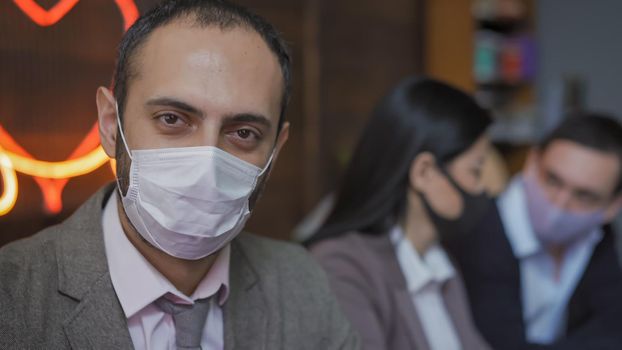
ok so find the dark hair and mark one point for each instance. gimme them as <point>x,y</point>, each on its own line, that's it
<point>597,131</point>
<point>221,13</point>
<point>418,115</point>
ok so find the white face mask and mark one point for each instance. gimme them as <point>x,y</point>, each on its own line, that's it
<point>189,202</point>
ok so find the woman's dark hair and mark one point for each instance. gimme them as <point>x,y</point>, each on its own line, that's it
<point>418,115</point>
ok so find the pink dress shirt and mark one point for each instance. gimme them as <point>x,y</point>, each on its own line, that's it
<point>138,284</point>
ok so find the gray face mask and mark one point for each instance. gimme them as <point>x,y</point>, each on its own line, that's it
<point>474,208</point>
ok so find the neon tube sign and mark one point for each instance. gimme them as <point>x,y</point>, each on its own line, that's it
<point>87,157</point>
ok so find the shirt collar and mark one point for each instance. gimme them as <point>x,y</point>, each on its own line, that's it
<point>517,224</point>
<point>137,283</point>
<point>419,272</point>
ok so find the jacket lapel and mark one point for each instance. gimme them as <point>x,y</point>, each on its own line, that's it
<point>454,298</point>
<point>403,300</point>
<point>245,318</point>
<point>98,321</point>
<point>407,312</point>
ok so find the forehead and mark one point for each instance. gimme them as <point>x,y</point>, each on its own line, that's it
<point>581,166</point>
<point>212,68</point>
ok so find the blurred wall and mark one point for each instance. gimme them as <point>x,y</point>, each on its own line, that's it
<point>347,53</point>
<point>581,38</point>
<point>448,42</point>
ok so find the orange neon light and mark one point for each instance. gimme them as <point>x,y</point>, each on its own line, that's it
<point>9,184</point>
<point>51,189</point>
<point>59,170</point>
<point>45,18</point>
<point>88,156</point>
<point>42,17</point>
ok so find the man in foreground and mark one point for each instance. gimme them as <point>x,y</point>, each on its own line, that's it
<point>195,122</point>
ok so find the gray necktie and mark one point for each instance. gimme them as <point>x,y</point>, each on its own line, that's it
<point>189,321</point>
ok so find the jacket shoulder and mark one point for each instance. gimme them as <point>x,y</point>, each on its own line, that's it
<point>295,285</point>
<point>28,275</point>
<point>356,257</point>
<point>39,250</point>
<point>349,245</point>
<point>268,255</point>
<point>28,256</point>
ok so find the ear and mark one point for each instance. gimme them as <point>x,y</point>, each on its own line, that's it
<point>280,141</point>
<point>107,117</point>
<point>613,209</point>
<point>421,168</point>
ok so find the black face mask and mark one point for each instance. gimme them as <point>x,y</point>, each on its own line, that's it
<point>474,208</point>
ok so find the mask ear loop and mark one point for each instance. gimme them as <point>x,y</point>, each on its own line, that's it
<point>257,181</point>
<point>263,171</point>
<point>268,164</point>
<point>443,169</point>
<point>127,149</point>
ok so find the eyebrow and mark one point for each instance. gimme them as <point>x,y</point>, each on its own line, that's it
<point>249,118</point>
<point>554,176</point>
<point>589,193</point>
<point>234,118</point>
<point>177,104</point>
<point>577,191</point>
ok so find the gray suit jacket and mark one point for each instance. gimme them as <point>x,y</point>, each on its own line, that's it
<point>56,293</point>
<point>372,291</point>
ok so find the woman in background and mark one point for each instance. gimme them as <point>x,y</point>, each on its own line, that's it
<point>413,182</point>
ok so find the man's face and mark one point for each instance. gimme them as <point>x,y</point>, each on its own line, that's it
<point>201,87</point>
<point>576,178</point>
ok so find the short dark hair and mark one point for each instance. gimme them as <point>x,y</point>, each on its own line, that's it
<point>418,115</point>
<point>220,13</point>
<point>597,131</point>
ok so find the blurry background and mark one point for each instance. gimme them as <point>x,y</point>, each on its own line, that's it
<point>528,61</point>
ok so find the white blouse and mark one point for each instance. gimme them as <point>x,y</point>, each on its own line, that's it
<point>425,277</point>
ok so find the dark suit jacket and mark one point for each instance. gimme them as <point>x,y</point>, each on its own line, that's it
<point>372,290</point>
<point>492,278</point>
<point>56,293</point>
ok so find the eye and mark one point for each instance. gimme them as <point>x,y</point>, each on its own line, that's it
<point>170,119</point>
<point>244,133</point>
<point>587,198</point>
<point>244,137</point>
<point>553,181</point>
<point>477,172</point>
